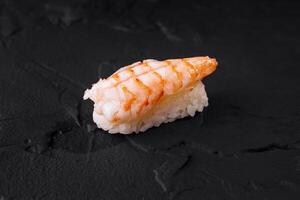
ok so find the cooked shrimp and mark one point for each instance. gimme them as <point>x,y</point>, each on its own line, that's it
<point>132,91</point>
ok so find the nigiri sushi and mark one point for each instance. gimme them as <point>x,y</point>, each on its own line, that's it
<point>150,92</point>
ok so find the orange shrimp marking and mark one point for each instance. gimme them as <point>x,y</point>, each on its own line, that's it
<point>128,68</point>
<point>148,91</point>
<point>116,77</point>
<point>131,66</point>
<point>162,83</point>
<point>194,73</point>
<point>147,65</point>
<point>132,72</point>
<point>161,94</point>
<point>143,86</point>
<point>128,103</point>
<point>178,74</point>
<point>135,64</point>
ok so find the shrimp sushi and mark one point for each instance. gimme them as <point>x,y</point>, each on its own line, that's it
<point>150,92</point>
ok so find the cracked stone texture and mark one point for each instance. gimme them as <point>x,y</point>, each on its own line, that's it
<point>245,145</point>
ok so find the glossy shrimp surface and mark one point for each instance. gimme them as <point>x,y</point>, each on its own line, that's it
<point>133,90</point>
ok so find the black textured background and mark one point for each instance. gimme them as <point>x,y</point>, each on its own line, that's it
<point>245,145</point>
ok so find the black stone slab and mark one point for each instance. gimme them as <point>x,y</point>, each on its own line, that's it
<point>245,145</point>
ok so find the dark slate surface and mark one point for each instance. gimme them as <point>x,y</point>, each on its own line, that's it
<point>245,145</point>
